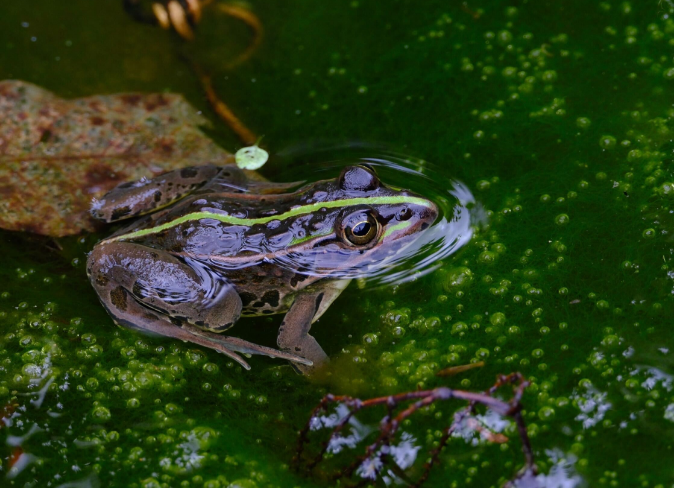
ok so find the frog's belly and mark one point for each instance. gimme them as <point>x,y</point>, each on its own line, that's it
<point>265,301</point>
<point>256,312</point>
<point>266,289</point>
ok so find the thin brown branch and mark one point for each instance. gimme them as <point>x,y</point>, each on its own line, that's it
<point>378,451</point>
<point>252,21</point>
<point>446,435</point>
<point>224,112</point>
<point>451,371</point>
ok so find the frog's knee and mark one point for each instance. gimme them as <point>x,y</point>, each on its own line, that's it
<point>96,270</point>
<point>223,314</point>
<point>92,261</point>
<point>217,318</point>
<point>220,320</point>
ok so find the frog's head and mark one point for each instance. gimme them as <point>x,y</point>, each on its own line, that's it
<point>367,222</point>
<point>388,215</point>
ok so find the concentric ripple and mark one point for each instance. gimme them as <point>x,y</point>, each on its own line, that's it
<point>417,256</point>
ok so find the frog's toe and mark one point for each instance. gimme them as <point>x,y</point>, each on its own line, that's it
<point>245,347</point>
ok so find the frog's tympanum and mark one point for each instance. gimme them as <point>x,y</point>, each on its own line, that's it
<point>213,245</point>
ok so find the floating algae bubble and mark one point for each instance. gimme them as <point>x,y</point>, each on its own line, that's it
<point>417,256</point>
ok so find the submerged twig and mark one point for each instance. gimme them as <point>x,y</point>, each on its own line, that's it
<point>222,110</point>
<point>452,370</point>
<point>183,16</point>
<point>254,24</point>
<point>378,452</point>
<point>219,107</point>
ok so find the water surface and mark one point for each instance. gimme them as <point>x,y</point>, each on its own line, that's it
<point>557,116</point>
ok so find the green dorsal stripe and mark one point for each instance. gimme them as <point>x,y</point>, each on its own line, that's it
<point>302,210</point>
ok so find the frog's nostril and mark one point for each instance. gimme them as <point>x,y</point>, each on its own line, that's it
<point>424,226</point>
<point>404,214</point>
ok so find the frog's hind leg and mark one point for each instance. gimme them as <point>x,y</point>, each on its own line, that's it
<point>148,322</point>
<point>148,195</point>
<point>153,291</point>
<point>127,312</point>
<point>244,347</point>
<point>182,290</point>
<point>308,307</point>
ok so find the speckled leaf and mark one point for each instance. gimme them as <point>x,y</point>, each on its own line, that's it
<point>57,154</point>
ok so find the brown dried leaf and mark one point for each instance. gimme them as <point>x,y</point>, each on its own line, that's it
<point>56,154</point>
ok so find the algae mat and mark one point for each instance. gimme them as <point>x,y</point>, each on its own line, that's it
<point>558,115</point>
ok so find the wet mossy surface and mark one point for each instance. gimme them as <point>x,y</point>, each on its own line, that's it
<point>558,116</point>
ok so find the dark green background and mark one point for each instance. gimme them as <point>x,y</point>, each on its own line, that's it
<point>491,93</point>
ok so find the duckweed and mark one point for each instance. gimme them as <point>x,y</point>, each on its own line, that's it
<point>100,414</point>
<point>607,142</point>
<point>457,279</point>
<point>487,257</point>
<point>562,219</point>
<point>567,279</point>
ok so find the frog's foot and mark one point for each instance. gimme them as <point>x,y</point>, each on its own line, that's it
<point>294,332</point>
<point>309,305</point>
<point>244,347</point>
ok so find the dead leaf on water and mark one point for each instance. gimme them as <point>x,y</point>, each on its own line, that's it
<point>57,154</point>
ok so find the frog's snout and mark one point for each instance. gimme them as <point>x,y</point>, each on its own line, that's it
<point>431,216</point>
<point>424,215</point>
<point>416,215</point>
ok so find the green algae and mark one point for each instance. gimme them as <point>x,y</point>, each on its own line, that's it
<point>558,116</point>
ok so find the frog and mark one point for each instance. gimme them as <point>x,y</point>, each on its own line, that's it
<point>207,245</point>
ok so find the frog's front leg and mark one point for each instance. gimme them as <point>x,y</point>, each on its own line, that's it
<point>308,307</point>
<point>153,291</point>
<point>147,195</point>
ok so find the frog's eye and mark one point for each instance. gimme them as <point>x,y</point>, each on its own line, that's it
<point>361,228</point>
<point>358,178</point>
<point>369,167</point>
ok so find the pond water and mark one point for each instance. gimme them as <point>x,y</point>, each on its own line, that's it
<point>556,116</point>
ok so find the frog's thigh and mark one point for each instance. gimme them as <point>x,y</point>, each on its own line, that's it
<point>308,306</point>
<point>161,282</point>
<point>141,197</point>
<point>128,312</point>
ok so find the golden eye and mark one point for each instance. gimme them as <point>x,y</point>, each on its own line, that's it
<point>362,230</point>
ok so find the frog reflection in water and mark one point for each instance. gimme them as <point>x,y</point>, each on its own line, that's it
<point>216,245</point>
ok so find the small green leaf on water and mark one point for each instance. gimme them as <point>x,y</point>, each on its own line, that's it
<point>251,157</point>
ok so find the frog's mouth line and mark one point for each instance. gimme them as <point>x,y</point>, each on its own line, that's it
<point>301,210</point>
